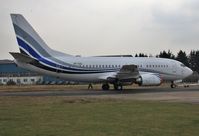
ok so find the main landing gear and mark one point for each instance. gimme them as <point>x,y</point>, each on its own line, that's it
<point>116,86</point>
<point>105,86</point>
<point>173,85</point>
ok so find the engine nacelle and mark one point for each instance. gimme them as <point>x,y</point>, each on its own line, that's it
<point>149,80</point>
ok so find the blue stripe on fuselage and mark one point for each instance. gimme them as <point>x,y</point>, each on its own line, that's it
<point>27,48</point>
<point>40,58</point>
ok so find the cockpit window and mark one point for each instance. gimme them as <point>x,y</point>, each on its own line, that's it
<point>182,65</point>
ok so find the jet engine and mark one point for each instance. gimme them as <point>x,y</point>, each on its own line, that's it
<point>149,80</point>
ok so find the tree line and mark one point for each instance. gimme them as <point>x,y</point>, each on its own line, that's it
<point>191,60</point>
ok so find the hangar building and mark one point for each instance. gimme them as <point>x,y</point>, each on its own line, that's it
<point>10,73</point>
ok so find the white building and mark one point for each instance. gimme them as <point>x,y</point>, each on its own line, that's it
<point>22,80</point>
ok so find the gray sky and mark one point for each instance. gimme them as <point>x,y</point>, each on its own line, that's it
<point>102,27</point>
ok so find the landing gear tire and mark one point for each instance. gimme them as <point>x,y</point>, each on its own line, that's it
<point>118,86</point>
<point>105,87</point>
<point>173,85</point>
<point>185,86</point>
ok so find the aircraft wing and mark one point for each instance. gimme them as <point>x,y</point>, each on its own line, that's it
<point>23,58</point>
<point>126,73</point>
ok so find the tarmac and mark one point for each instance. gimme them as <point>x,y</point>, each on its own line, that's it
<point>185,95</point>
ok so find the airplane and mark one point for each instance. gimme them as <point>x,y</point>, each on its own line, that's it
<point>119,71</point>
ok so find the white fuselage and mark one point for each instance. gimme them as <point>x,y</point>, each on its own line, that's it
<point>168,69</point>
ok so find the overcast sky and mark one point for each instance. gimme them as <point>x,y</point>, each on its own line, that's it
<point>103,27</point>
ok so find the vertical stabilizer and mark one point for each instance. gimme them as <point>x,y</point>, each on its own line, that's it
<point>30,43</point>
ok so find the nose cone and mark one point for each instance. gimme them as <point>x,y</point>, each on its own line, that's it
<point>188,72</point>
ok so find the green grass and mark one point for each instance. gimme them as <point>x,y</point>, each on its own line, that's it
<point>61,116</point>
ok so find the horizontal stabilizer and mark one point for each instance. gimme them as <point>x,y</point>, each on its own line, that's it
<point>23,58</point>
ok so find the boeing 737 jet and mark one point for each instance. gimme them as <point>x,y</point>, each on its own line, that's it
<point>36,56</point>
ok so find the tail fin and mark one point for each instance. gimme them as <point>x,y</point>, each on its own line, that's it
<point>30,43</point>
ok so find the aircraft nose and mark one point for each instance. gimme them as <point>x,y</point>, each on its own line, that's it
<point>189,71</point>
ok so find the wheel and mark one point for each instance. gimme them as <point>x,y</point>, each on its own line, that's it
<point>173,85</point>
<point>185,86</point>
<point>115,86</point>
<point>105,87</point>
<point>118,86</point>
